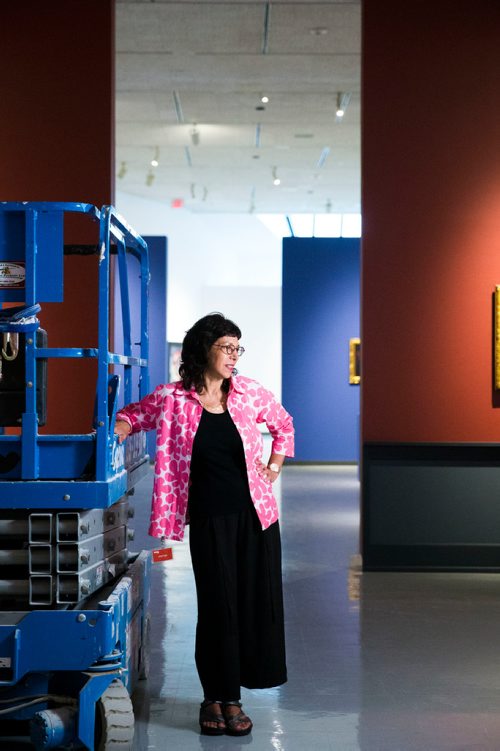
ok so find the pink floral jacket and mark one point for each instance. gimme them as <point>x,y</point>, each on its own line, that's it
<point>175,414</point>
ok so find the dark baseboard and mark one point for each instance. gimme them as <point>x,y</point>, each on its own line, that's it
<point>431,507</point>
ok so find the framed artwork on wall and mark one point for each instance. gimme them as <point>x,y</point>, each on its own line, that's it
<point>496,353</point>
<point>174,360</point>
<point>354,361</point>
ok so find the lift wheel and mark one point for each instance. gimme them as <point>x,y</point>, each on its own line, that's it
<point>114,719</point>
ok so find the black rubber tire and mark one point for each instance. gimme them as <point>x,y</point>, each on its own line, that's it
<point>114,722</point>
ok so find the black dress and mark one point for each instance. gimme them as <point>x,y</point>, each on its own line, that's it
<point>237,569</point>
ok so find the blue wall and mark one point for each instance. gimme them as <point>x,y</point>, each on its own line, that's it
<point>320,313</point>
<point>157,317</point>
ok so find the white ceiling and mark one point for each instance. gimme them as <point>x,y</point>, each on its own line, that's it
<point>204,65</point>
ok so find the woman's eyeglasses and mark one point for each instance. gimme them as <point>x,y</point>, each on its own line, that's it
<point>230,349</point>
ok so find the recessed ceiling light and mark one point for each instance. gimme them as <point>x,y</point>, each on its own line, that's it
<point>264,99</point>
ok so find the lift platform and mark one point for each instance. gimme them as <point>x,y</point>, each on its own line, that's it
<point>74,626</point>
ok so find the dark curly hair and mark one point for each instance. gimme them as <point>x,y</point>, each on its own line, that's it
<point>196,346</point>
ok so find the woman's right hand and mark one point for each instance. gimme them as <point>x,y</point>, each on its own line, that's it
<point>122,430</point>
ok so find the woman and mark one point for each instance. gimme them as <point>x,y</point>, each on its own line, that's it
<point>209,469</point>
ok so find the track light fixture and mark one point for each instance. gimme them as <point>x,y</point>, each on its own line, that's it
<point>122,171</point>
<point>276,180</point>
<point>343,99</point>
<point>195,135</point>
<point>155,161</point>
<point>319,31</point>
<point>150,178</point>
<point>251,208</point>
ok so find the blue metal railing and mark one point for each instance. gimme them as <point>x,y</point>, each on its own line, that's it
<point>37,243</point>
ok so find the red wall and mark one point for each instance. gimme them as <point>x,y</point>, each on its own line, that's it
<point>431,219</point>
<point>57,144</point>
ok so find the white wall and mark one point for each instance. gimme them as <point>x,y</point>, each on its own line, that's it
<point>225,262</point>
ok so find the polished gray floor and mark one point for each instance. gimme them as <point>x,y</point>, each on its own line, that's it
<point>377,662</point>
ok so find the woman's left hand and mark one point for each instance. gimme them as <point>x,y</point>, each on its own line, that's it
<point>267,474</point>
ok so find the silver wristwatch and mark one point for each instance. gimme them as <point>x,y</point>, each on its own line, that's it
<point>274,467</point>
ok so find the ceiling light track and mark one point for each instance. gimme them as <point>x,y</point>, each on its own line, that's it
<point>323,157</point>
<point>258,130</point>
<point>267,24</point>
<point>178,106</point>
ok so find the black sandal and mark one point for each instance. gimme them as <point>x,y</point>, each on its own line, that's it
<point>211,716</point>
<point>232,720</point>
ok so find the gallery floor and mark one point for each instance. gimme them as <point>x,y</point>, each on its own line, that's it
<point>377,662</point>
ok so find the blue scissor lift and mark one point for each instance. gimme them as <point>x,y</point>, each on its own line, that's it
<point>73,600</point>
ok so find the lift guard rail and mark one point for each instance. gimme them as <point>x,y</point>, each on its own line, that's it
<point>37,229</point>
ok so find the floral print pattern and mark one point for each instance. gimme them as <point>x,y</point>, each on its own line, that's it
<point>176,414</point>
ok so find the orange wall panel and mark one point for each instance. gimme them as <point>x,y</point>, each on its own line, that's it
<point>58,101</point>
<point>431,219</point>
<point>57,144</point>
